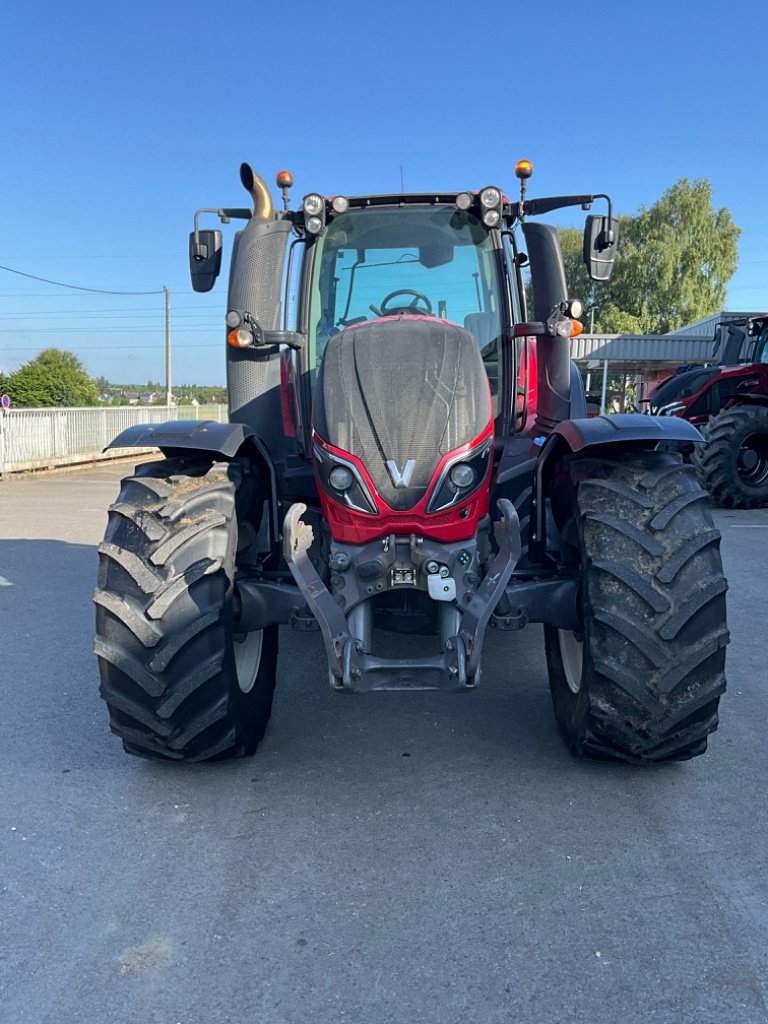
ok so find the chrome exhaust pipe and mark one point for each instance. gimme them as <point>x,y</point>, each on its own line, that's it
<point>256,187</point>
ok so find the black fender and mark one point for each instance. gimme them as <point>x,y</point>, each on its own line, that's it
<point>623,432</point>
<point>632,429</point>
<point>748,400</point>
<point>205,437</point>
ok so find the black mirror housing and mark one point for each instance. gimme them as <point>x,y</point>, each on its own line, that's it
<point>204,259</point>
<point>601,240</point>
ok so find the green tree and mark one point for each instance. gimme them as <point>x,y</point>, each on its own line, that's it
<point>55,378</point>
<point>673,265</point>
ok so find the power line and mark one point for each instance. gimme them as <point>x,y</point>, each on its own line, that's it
<point>112,309</point>
<point>77,287</point>
<point>25,318</point>
<point>110,348</point>
<point>140,329</point>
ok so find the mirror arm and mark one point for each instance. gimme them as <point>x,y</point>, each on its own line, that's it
<point>607,198</point>
<point>224,215</point>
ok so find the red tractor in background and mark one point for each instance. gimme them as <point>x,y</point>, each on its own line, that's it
<point>728,401</point>
<point>391,466</point>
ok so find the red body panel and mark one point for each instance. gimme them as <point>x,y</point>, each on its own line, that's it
<point>453,524</point>
<point>745,378</point>
<point>527,387</point>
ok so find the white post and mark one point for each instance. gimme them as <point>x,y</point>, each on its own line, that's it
<point>605,387</point>
<point>168,391</point>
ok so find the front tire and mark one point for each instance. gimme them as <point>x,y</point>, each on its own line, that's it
<point>733,463</point>
<point>641,681</point>
<point>179,679</point>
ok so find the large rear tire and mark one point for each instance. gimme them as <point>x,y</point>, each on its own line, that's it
<point>733,463</point>
<point>180,681</point>
<point>641,681</point>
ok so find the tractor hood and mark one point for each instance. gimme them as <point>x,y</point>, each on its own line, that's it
<point>400,393</point>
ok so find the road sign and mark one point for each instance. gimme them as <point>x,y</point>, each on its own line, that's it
<point>5,401</point>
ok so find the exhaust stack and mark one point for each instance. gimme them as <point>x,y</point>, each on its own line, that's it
<point>257,189</point>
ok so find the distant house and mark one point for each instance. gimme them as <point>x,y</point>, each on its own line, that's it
<point>131,397</point>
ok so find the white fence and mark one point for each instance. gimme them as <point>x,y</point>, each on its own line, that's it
<point>38,438</point>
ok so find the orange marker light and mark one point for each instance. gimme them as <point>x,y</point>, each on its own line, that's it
<point>240,337</point>
<point>523,169</point>
<point>284,179</point>
<point>578,328</point>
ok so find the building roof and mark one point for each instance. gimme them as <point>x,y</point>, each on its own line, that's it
<point>693,343</point>
<point>642,350</point>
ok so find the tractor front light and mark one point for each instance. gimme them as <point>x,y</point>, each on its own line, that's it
<point>463,200</point>
<point>233,318</point>
<point>341,478</point>
<point>240,337</point>
<point>313,205</point>
<point>490,197</point>
<point>340,204</point>
<point>314,225</point>
<point>491,218</point>
<point>462,476</point>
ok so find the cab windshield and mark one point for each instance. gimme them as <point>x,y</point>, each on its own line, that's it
<point>433,260</point>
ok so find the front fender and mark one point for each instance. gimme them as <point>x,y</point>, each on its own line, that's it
<point>194,435</point>
<point>207,437</point>
<point>627,428</point>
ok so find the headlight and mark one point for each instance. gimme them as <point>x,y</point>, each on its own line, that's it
<point>461,476</point>
<point>491,218</point>
<point>672,409</point>
<point>464,200</point>
<point>314,225</point>
<point>490,197</point>
<point>341,478</point>
<point>342,481</point>
<point>340,204</point>
<point>313,205</point>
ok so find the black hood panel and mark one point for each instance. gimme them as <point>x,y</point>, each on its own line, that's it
<point>400,389</point>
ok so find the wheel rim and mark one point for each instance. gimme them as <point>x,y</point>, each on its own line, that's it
<point>572,654</point>
<point>248,658</point>
<point>752,459</point>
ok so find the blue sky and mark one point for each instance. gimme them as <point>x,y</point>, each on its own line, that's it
<point>118,120</point>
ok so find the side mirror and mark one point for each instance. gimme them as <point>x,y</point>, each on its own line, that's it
<point>204,259</point>
<point>601,239</point>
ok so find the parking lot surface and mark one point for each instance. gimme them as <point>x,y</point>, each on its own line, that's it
<point>417,857</point>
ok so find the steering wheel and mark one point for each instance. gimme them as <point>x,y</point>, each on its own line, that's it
<point>412,307</point>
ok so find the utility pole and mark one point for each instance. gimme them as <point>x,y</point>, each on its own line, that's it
<point>168,392</point>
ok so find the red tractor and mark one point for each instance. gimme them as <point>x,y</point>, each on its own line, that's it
<point>390,468</point>
<point>728,401</point>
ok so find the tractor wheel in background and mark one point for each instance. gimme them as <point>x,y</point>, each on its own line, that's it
<point>641,681</point>
<point>181,682</point>
<point>733,463</point>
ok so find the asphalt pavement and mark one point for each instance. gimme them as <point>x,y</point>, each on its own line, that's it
<point>422,857</point>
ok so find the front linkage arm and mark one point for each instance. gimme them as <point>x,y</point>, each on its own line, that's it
<point>350,664</point>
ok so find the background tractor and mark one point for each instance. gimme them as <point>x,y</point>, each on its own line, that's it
<point>728,401</point>
<point>408,453</point>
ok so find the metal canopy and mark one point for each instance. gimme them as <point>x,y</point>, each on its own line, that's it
<point>637,352</point>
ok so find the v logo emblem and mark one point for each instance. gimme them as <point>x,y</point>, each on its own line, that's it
<point>400,479</point>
